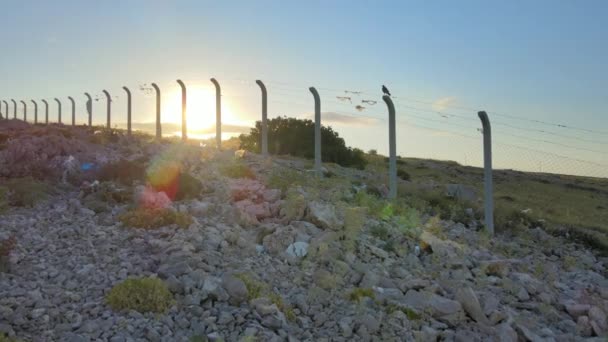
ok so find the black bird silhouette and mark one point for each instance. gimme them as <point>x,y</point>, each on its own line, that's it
<point>385,90</point>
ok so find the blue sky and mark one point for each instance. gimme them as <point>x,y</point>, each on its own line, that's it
<point>543,59</point>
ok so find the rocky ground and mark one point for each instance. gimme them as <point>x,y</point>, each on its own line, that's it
<point>266,259</point>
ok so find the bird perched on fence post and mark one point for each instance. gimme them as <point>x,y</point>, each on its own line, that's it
<point>385,90</point>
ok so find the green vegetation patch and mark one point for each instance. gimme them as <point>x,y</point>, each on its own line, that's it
<point>189,187</point>
<point>357,294</point>
<point>258,289</point>
<point>22,192</point>
<point>140,294</point>
<point>123,171</point>
<point>154,218</point>
<point>237,169</point>
<point>295,137</point>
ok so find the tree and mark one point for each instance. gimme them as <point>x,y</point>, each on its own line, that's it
<point>296,137</point>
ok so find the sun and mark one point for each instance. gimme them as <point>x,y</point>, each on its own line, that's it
<point>200,109</point>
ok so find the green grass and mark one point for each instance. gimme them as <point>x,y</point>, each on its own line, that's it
<point>140,294</point>
<point>154,218</point>
<point>237,169</point>
<point>22,192</point>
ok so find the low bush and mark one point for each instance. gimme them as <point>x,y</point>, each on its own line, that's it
<point>188,187</point>
<point>122,171</point>
<point>23,192</point>
<point>155,218</point>
<point>140,294</point>
<point>237,170</point>
<point>401,173</point>
<point>357,294</point>
<point>291,136</point>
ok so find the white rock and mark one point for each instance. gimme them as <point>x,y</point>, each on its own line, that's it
<point>297,249</point>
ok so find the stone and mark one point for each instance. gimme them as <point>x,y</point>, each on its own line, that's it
<point>297,250</point>
<point>577,310</point>
<point>345,324</point>
<point>505,333</point>
<point>370,322</point>
<point>439,307</point>
<point>467,298</point>
<point>522,294</point>
<point>596,315</point>
<point>225,318</point>
<point>461,192</point>
<point>212,287</point>
<point>583,326</point>
<point>279,240</point>
<point>323,215</point>
<point>527,334</point>
<point>236,289</point>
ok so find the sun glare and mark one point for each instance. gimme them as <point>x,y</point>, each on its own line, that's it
<point>200,108</point>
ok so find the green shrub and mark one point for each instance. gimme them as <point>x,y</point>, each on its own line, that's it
<point>155,218</point>
<point>122,171</point>
<point>3,198</point>
<point>24,192</point>
<point>286,309</point>
<point>380,231</point>
<point>140,294</point>
<point>291,136</point>
<point>189,187</point>
<point>357,294</point>
<point>255,288</point>
<point>408,219</point>
<point>401,173</point>
<point>237,170</point>
<point>283,179</point>
<point>105,136</point>
<point>4,338</point>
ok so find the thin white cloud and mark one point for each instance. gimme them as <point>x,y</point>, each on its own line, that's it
<point>443,103</point>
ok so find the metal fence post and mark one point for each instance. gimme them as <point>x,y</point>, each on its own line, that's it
<point>487,171</point>
<point>89,108</point>
<point>24,110</point>
<point>6,111</point>
<point>35,112</point>
<point>264,118</point>
<point>1,115</point>
<point>218,114</point>
<point>128,110</point>
<point>109,109</point>
<point>59,109</point>
<point>73,110</point>
<point>315,94</point>
<point>158,126</point>
<point>46,112</point>
<point>14,108</point>
<point>184,103</point>
<point>392,148</point>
